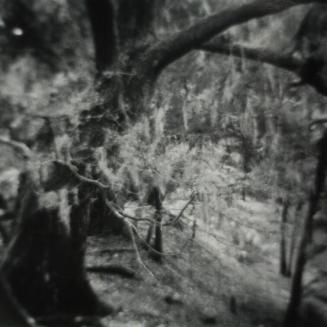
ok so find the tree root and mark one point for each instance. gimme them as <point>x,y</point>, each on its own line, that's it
<point>112,269</point>
<point>69,321</point>
<point>112,251</point>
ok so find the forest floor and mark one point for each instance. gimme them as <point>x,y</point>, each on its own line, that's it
<point>212,279</point>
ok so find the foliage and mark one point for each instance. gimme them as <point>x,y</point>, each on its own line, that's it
<point>211,124</point>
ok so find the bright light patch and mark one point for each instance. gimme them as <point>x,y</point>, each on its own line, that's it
<point>17,31</point>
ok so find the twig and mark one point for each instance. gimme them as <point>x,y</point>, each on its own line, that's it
<point>182,211</point>
<point>149,246</point>
<point>122,215</point>
<point>138,256</point>
<point>136,218</point>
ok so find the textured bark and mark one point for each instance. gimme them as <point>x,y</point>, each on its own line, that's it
<point>44,264</point>
<point>293,314</point>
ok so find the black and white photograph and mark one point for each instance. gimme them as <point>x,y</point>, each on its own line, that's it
<point>163,163</point>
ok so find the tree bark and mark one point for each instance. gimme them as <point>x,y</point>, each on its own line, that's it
<point>168,51</point>
<point>283,259</point>
<point>11,314</point>
<point>294,238</point>
<point>44,264</point>
<point>292,314</point>
<point>102,19</point>
<point>156,249</point>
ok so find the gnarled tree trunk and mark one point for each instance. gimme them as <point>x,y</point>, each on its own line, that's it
<point>44,264</point>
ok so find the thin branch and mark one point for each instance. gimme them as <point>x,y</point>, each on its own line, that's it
<point>149,246</point>
<point>174,221</point>
<point>171,49</point>
<point>136,218</point>
<point>122,215</point>
<point>79,177</point>
<point>263,55</point>
<point>21,148</point>
<point>137,252</point>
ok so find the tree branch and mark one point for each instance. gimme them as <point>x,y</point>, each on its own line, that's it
<point>175,220</point>
<point>21,148</point>
<point>167,51</point>
<point>73,171</point>
<point>263,55</point>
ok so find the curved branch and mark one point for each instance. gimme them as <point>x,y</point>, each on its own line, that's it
<point>167,51</point>
<point>263,55</point>
<point>82,179</point>
<point>21,148</point>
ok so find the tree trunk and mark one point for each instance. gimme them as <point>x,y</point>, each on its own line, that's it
<point>45,261</point>
<point>157,245</point>
<point>283,259</point>
<point>101,14</point>
<point>293,314</point>
<point>122,30</point>
<point>129,59</point>
<point>294,239</point>
<point>11,313</point>
<point>156,249</point>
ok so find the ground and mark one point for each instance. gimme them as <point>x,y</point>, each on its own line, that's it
<point>215,279</point>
